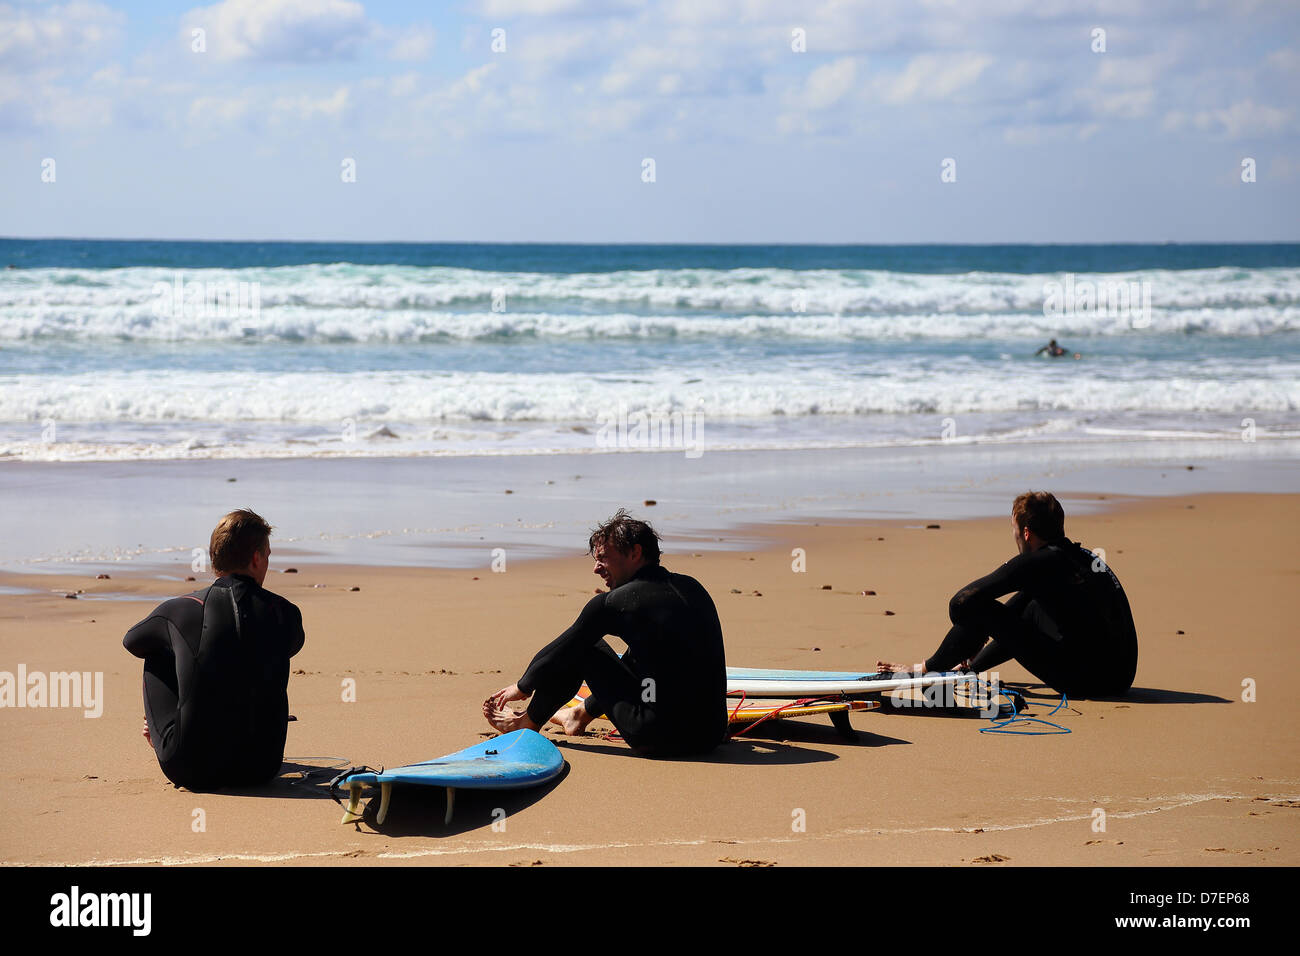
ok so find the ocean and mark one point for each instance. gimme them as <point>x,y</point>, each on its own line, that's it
<point>137,350</point>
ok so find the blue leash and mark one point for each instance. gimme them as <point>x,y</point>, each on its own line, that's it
<point>1000,726</point>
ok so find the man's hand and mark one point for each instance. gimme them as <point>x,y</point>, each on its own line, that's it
<point>145,732</point>
<point>504,696</point>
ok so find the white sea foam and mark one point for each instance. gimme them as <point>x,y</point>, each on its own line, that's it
<point>363,396</point>
<point>407,303</point>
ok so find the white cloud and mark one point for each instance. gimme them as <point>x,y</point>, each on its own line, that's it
<point>62,34</point>
<point>404,85</point>
<point>308,108</point>
<point>549,8</point>
<point>209,111</point>
<point>1130,104</point>
<point>929,76</point>
<point>414,43</point>
<point>1238,121</point>
<point>827,84</point>
<point>472,82</point>
<point>1243,119</point>
<point>281,30</point>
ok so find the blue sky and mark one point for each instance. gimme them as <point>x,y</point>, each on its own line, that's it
<point>752,139</point>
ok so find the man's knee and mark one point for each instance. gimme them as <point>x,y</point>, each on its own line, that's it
<point>963,608</point>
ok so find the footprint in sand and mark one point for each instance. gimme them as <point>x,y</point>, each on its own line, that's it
<point>728,859</point>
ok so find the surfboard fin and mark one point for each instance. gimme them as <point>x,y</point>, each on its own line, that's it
<point>350,813</point>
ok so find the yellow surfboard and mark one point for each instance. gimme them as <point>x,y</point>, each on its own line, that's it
<point>750,713</point>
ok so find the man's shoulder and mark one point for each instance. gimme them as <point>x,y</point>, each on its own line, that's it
<point>181,604</point>
<point>679,579</point>
<point>687,584</point>
<point>266,596</point>
<point>280,601</point>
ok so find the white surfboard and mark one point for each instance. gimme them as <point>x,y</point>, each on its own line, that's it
<point>759,682</point>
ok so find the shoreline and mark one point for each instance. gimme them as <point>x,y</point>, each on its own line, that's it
<point>760,535</point>
<point>441,511</point>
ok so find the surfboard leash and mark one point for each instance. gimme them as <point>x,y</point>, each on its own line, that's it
<point>1019,717</point>
<point>350,772</point>
<point>772,715</point>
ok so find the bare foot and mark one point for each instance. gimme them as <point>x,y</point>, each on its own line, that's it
<point>573,720</point>
<point>504,720</point>
<point>885,667</point>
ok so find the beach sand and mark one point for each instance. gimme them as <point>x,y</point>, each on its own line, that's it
<point>1185,771</point>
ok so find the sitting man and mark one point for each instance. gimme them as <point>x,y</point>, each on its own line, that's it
<point>216,667</point>
<point>666,694</point>
<point>1069,624</point>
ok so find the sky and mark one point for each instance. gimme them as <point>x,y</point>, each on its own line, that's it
<point>891,121</point>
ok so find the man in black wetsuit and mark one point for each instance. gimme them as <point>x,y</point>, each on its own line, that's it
<point>216,667</point>
<point>666,694</point>
<point>1069,623</point>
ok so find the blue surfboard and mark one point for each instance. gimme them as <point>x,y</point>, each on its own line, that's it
<point>522,758</point>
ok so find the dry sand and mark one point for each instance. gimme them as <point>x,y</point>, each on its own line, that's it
<point>1185,771</point>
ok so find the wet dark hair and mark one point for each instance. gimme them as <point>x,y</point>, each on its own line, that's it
<point>1041,513</point>
<point>622,532</point>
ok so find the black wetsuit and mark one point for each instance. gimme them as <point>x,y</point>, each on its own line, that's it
<point>216,673</point>
<point>1069,623</point>
<point>666,695</point>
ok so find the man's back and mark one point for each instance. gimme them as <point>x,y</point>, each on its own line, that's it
<point>672,631</point>
<point>1085,602</point>
<point>216,676</point>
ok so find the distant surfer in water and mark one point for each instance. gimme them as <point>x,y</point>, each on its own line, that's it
<point>1069,623</point>
<point>666,694</point>
<point>1056,351</point>
<point>216,667</point>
